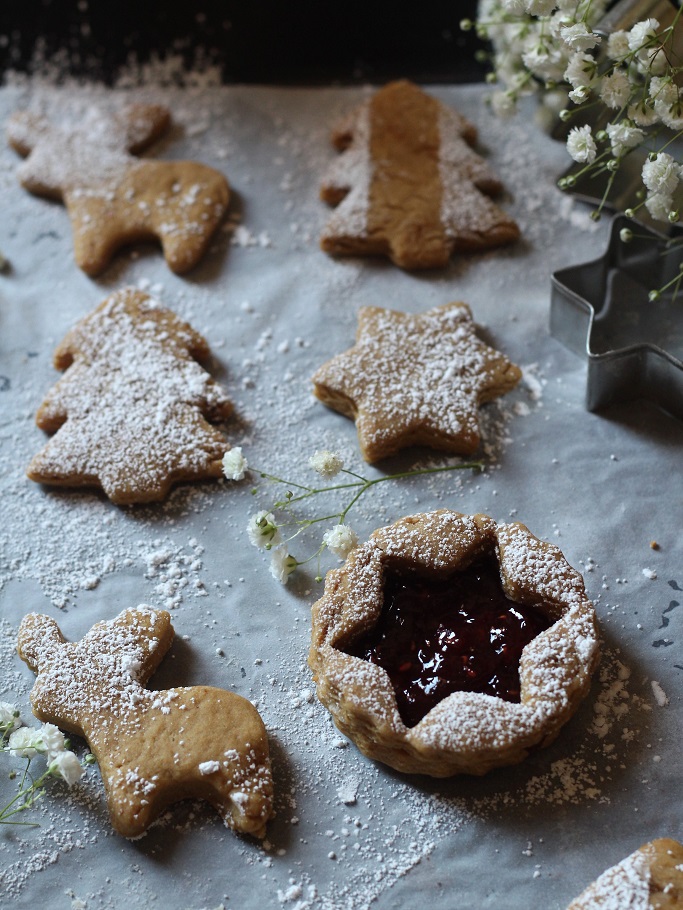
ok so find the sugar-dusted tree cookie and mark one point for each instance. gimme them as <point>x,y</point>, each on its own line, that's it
<point>131,412</point>
<point>408,185</point>
<point>153,748</point>
<point>114,198</point>
<point>651,878</point>
<point>415,380</point>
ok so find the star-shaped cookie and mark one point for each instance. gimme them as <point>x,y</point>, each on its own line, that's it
<point>415,380</point>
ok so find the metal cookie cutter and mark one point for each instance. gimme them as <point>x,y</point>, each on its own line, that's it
<point>601,309</point>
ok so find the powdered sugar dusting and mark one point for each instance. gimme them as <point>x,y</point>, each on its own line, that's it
<point>128,412</point>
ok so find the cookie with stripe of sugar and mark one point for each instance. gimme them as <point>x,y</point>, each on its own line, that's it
<point>424,704</point>
<point>153,748</point>
<point>114,198</point>
<point>651,878</point>
<point>415,380</point>
<point>408,184</point>
<point>131,413</point>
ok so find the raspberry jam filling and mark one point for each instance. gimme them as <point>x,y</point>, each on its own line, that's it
<point>458,634</point>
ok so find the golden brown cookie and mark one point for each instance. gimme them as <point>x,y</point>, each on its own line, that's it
<point>649,879</point>
<point>113,198</point>
<point>130,413</point>
<point>467,731</point>
<point>153,748</point>
<point>415,380</point>
<point>408,185</point>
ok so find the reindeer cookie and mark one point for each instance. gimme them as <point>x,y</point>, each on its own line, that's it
<point>114,198</point>
<point>408,185</point>
<point>153,748</point>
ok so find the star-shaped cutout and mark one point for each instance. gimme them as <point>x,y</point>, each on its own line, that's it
<point>602,310</point>
<point>415,380</point>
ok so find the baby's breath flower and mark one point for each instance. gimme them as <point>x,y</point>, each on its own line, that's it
<point>9,718</point>
<point>659,205</point>
<point>234,464</point>
<point>581,70</point>
<point>282,564</point>
<point>340,539</point>
<point>515,7</point>
<point>578,37</point>
<point>644,43</point>
<point>661,175</point>
<point>262,530</point>
<point>503,104</point>
<point>581,145</point>
<point>327,464</point>
<point>642,114</point>
<point>52,740</point>
<point>615,89</point>
<point>626,235</point>
<point>26,742</point>
<point>579,95</point>
<point>67,766</point>
<point>623,136</point>
<point>617,45</point>
<point>540,7</point>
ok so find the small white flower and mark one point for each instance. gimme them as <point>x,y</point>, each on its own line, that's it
<point>52,739</point>
<point>327,464</point>
<point>503,104</point>
<point>581,145</point>
<point>661,175</point>
<point>578,37</point>
<point>234,464</point>
<point>540,7</point>
<point>515,7</point>
<point>671,115</point>
<point>281,564</point>
<point>617,45</point>
<point>642,33</point>
<point>664,90</point>
<point>615,90</point>
<point>341,539</point>
<point>623,136</point>
<point>659,205</point>
<point>9,717</point>
<point>25,743</point>
<point>579,95</point>
<point>581,70</point>
<point>262,530</point>
<point>67,766</point>
<point>642,114</point>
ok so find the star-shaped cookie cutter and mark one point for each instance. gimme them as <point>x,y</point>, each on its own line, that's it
<point>603,311</point>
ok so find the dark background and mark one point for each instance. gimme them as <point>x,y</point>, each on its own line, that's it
<point>259,42</point>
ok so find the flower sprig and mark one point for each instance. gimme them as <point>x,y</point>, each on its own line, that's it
<point>21,741</point>
<point>268,532</point>
<point>630,78</point>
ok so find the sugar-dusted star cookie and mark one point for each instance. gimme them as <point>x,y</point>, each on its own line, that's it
<point>651,878</point>
<point>114,198</point>
<point>408,184</point>
<point>131,412</point>
<point>153,748</point>
<point>415,380</point>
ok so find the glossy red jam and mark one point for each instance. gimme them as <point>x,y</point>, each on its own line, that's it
<point>459,634</point>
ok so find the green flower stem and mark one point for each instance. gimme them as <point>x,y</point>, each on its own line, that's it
<point>25,797</point>
<point>361,484</point>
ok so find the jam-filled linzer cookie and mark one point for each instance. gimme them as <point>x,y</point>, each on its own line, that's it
<point>408,185</point>
<point>450,644</point>
<point>154,748</point>
<point>131,412</point>
<point>651,878</point>
<point>114,198</point>
<point>415,380</point>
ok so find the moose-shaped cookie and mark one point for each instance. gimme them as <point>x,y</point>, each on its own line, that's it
<point>153,748</point>
<point>114,198</point>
